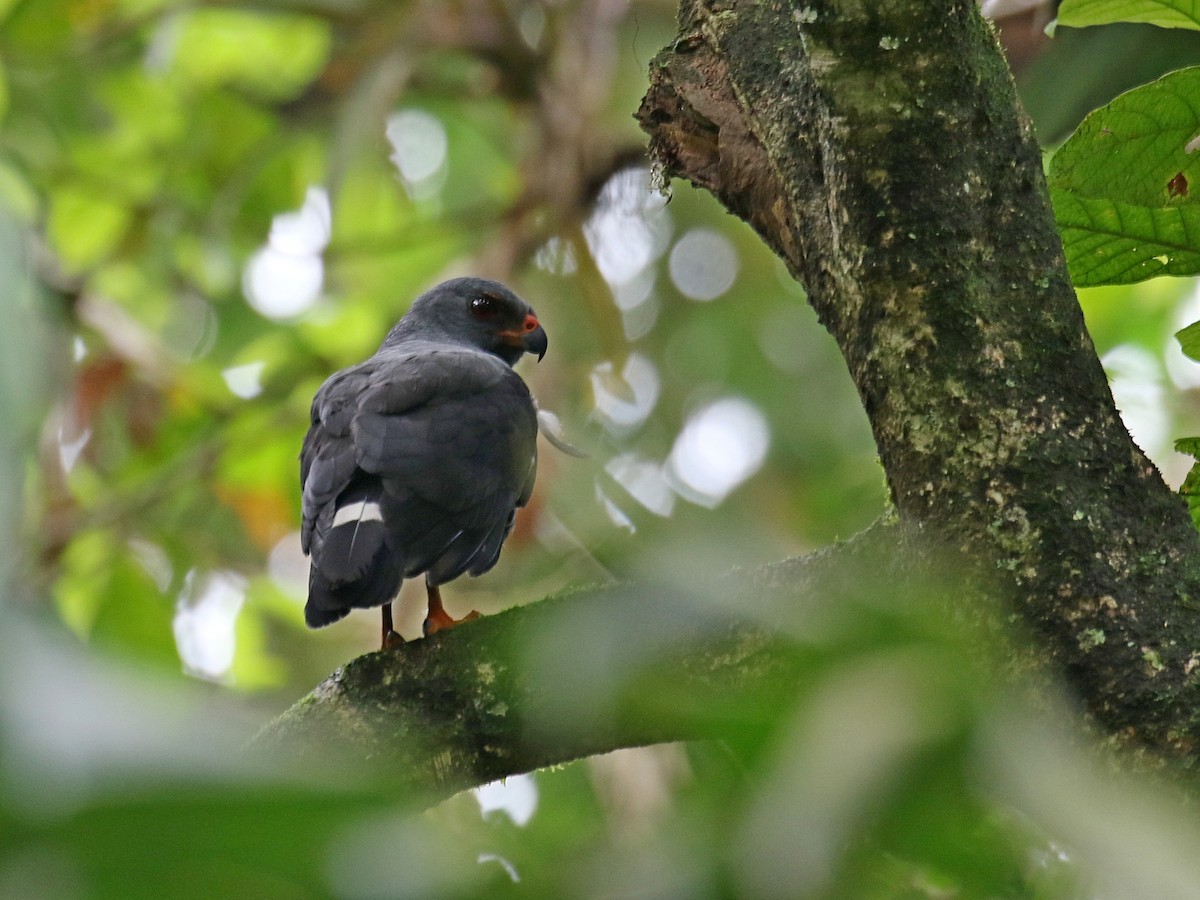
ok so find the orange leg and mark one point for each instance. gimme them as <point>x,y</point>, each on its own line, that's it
<point>438,619</point>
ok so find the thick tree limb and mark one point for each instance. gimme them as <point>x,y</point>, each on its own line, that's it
<point>572,676</point>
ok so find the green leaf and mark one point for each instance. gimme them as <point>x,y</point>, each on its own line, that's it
<point>1120,243</point>
<point>275,56</point>
<point>17,196</point>
<point>107,596</point>
<point>1189,446</point>
<point>85,225</point>
<point>1189,342</point>
<point>1166,13</point>
<point>1190,489</point>
<point>187,841</point>
<point>1122,185</point>
<point>4,93</point>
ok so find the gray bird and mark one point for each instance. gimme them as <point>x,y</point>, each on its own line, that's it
<point>418,458</point>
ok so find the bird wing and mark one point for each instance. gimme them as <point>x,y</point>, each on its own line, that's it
<point>450,436</point>
<point>473,426</point>
<point>454,466</point>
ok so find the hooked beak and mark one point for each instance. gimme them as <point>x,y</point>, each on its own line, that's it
<point>531,337</point>
<point>535,342</point>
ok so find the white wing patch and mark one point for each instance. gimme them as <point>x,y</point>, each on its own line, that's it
<point>362,511</point>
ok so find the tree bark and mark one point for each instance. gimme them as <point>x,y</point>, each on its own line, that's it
<point>575,675</point>
<point>879,149</point>
<point>478,704</point>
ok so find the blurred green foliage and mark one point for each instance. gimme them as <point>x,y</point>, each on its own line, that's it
<point>153,417</point>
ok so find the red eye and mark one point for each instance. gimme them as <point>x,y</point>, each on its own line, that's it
<point>485,307</point>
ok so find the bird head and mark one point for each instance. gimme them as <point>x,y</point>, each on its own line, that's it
<point>476,312</point>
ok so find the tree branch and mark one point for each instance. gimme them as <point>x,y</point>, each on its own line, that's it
<point>582,673</point>
<point>879,149</point>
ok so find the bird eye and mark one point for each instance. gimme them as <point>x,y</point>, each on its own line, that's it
<point>485,307</point>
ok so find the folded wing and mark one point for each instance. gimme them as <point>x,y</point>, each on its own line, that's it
<point>415,463</point>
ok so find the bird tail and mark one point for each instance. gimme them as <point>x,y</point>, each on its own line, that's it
<point>352,564</point>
